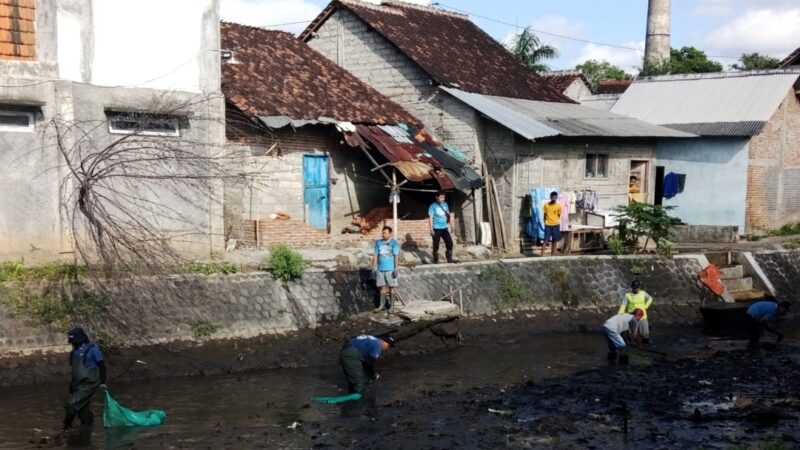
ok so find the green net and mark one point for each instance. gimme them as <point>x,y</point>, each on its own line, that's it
<point>116,415</point>
<point>337,400</point>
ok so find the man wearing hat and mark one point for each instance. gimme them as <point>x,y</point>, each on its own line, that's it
<point>358,357</point>
<point>88,373</point>
<point>637,299</point>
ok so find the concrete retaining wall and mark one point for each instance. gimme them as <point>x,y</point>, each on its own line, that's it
<point>782,269</point>
<point>254,304</point>
<point>704,234</point>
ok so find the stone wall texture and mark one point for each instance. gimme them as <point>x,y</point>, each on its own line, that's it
<point>783,270</point>
<point>249,305</point>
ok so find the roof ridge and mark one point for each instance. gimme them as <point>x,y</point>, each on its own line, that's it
<point>392,6</point>
<point>556,73</point>
<point>254,27</point>
<point>717,75</point>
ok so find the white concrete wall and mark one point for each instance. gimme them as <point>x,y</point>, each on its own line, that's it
<point>171,45</point>
<point>716,179</point>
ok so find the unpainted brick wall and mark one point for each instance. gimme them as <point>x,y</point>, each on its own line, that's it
<point>773,184</point>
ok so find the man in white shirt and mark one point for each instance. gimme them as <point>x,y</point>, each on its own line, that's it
<point>620,328</point>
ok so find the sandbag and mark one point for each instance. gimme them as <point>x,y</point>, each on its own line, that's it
<point>116,415</point>
<point>712,278</point>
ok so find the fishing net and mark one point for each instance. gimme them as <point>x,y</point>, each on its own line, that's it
<point>337,400</point>
<point>116,415</point>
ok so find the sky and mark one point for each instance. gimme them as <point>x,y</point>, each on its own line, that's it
<point>724,29</point>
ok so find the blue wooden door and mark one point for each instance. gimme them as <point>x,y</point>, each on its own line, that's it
<point>315,182</point>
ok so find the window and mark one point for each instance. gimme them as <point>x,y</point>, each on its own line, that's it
<point>596,165</point>
<point>143,124</point>
<point>20,121</point>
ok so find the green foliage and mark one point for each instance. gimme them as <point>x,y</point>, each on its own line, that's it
<point>108,341</point>
<point>531,50</point>
<point>638,220</point>
<point>52,304</point>
<point>756,61</point>
<point>54,271</point>
<point>286,263</point>
<point>595,70</point>
<point>794,244</point>
<point>616,244</point>
<point>786,230</point>
<point>203,328</point>
<point>212,267</point>
<point>510,291</point>
<point>685,60</point>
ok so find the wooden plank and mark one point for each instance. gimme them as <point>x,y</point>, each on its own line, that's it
<point>500,215</point>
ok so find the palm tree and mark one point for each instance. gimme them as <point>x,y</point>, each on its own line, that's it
<point>531,51</point>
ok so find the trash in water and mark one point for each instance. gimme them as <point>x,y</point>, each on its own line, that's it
<point>502,412</point>
<point>294,425</point>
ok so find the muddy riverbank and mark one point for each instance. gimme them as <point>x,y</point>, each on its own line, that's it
<point>318,346</point>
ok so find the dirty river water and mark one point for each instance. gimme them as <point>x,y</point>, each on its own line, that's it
<point>549,391</point>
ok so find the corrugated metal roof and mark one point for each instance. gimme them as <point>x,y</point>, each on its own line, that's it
<point>534,119</point>
<point>727,97</point>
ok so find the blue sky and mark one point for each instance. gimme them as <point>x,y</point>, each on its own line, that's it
<point>723,28</point>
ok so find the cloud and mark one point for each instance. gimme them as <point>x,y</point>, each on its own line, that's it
<point>768,31</point>
<point>628,60</point>
<point>558,25</point>
<point>267,13</point>
<point>728,7</point>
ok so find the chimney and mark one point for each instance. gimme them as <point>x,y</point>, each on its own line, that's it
<point>656,46</point>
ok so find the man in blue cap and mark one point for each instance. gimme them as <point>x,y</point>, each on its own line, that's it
<point>88,373</point>
<point>759,314</point>
<point>358,358</point>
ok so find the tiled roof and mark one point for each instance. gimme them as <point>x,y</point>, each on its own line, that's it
<point>612,86</point>
<point>277,75</point>
<point>450,48</point>
<point>561,80</point>
<point>792,60</point>
<point>17,29</point>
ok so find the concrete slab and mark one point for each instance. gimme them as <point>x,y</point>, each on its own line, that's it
<point>427,310</point>
<point>731,272</point>
<point>739,284</point>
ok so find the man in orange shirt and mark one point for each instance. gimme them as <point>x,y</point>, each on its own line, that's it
<point>552,223</point>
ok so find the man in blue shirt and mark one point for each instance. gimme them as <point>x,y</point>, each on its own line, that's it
<point>384,266</point>
<point>440,219</point>
<point>759,314</point>
<point>88,373</point>
<point>358,357</point>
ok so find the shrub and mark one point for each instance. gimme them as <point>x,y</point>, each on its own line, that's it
<point>203,328</point>
<point>212,267</point>
<point>286,263</point>
<point>652,222</point>
<point>616,245</point>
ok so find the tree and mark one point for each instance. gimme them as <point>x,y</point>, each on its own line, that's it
<point>685,60</point>
<point>756,61</point>
<point>595,70</point>
<point>531,50</point>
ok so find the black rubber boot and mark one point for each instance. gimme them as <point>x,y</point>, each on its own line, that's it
<point>389,302</point>
<point>449,256</point>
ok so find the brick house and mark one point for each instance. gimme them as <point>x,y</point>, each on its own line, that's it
<point>571,83</point>
<point>470,91</point>
<point>316,147</point>
<point>744,170</point>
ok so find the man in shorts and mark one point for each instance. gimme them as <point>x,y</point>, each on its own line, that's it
<point>552,223</point>
<point>384,263</point>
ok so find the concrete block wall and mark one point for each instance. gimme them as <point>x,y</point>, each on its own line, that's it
<point>773,185</point>
<point>248,305</point>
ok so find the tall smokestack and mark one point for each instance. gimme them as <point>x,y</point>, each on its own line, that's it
<point>656,46</point>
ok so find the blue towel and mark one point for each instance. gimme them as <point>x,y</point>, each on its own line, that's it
<point>671,185</point>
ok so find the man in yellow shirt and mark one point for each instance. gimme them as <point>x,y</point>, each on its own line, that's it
<point>552,223</point>
<point>637,299</point>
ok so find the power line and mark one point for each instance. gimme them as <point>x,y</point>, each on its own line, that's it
<point>561,36</point>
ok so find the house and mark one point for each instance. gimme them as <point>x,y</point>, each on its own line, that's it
<point>791,60</point>
<point>571,83</point>
<point>606,94</point>
<point>79,76</point>
<point>745,168</point>
<point>477,97</point>
<point>319,148</point>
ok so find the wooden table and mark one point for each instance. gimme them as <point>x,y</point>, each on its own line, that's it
<point>582,238</point>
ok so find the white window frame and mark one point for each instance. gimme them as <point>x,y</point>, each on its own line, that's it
<point>174,121</point>
<point>586,166</point>
<point>14,129</point>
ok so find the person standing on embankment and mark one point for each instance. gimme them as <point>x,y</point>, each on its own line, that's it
<point>440,219</point>
<point>384,267</point>
<point>88,373</point>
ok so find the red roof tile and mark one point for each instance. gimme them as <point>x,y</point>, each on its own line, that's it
<point>560,81</point>
<point>612,86</point>
<point>276,74</point>
<point>450,48</point>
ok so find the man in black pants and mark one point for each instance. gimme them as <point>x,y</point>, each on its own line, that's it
<point>440,218</point>
<point>88,373</point>
<point>358,357</point>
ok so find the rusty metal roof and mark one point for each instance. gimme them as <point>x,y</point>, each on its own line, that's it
<point>409,151</point>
